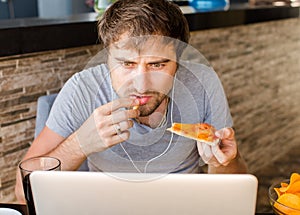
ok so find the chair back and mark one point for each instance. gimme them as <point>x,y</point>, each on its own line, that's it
<point>44,105</point>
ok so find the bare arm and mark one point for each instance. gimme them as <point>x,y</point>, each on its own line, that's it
<point>68,151</point>
<point>51,144</point>
<point>43,144</point>
<point>96,134</point>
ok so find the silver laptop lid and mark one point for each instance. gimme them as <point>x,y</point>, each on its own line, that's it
<point>83,193</point>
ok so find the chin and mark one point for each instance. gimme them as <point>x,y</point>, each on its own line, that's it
<point>148,109</point>
<point>145,113</point>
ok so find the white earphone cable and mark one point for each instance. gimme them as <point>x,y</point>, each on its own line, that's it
<point>169,145</point>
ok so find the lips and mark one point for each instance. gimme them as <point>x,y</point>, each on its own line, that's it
<point>142,99</point>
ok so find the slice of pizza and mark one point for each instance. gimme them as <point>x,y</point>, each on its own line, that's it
<point>202,132</point>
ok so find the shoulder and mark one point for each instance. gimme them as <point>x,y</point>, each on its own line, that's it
<point>200,72</point>
<point>88,80</point>
<point>85,86</point>
<point>197,76</point>
<point>97,74</point>
<point>76,100</point>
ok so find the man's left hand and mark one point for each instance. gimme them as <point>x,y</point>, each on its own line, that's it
<point>220,154</point>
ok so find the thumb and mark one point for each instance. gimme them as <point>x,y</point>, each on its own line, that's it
<point>225,133</point>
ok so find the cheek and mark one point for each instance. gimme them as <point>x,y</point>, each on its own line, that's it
<point>162,82</point>
<point>120,82</point>
<point>116,74</point>
<point>114,80</point>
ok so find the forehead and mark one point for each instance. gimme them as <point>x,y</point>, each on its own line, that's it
<point>147,46</point>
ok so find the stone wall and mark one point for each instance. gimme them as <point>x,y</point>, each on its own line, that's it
<point>258,65</point>
<point>23,78</point>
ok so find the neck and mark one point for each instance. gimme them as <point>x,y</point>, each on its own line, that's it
<point>157,117</point>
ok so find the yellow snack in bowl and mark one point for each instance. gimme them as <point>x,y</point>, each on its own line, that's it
<point>294,187</point>
<point>294,184</point>
<point>289,195</point>
<point>290,200</point>
<point>278,192</point>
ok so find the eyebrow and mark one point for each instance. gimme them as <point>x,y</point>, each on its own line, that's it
<point>153,62</point>
<point>160,61</point>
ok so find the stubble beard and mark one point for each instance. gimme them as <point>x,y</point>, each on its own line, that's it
<point>147,109</point>
<point>150,107</point>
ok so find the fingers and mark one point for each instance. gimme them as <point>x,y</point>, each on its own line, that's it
<point>220,154</point>
<point>114,129</point>
<point>115,139</point>
<point>107,126</point>
<point>118,128</point>
<point>125,125</point>
<point>116,112</point>
<point>113,118</point>
<point>122,115</point>
<point>118,133</point>
<point>225,133</point>
<point>221,157</point>
<point>118,138</point>
<point>117,104</point>
<point>207,155</point>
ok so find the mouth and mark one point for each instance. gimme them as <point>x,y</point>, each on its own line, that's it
<point>142,99</point>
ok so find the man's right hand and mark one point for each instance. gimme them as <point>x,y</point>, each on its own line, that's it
<point>107,126</point>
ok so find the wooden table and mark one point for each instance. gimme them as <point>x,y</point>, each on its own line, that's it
<point>23,209</point>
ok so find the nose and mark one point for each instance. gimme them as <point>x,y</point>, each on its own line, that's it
<point>141,79</point>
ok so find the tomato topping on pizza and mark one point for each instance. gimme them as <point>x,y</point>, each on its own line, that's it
<point>202,132</point>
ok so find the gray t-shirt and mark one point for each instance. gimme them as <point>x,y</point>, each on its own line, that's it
<point>197,96</point>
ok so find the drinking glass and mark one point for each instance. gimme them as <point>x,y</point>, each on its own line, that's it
<point>42,163</point>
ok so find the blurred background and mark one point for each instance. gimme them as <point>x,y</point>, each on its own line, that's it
<point>59,8</point>
<point>42,8</point>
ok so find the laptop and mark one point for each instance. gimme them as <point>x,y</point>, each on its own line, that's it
<point>84,193</point>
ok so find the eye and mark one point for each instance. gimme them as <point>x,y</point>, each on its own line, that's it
<point>128,64</point>
<point>157,65</point>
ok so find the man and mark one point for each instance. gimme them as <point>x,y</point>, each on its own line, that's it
<point>116,114</point>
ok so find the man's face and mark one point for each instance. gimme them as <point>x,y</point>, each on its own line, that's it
<point>145,73</point>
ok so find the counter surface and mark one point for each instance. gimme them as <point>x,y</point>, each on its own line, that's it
<point>20,36</point>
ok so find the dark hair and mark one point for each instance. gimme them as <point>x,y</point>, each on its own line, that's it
<point>142,17</point>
